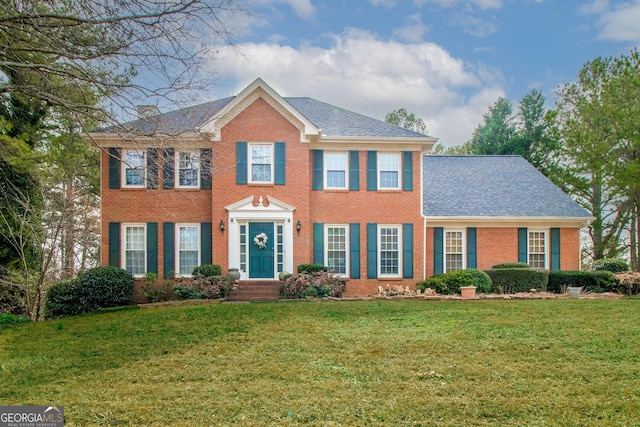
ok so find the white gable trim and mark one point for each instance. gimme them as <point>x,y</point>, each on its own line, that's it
<point>258,89</point>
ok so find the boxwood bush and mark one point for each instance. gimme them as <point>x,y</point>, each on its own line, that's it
<point>450,283</point>
<point>63,300</point>
<point>206,270</point>
<point>510,265</point>
<point>312,268</point>
<point>589,281</point>
<point>102,287</point>
<point>512,280</point>
<point>613,265</point>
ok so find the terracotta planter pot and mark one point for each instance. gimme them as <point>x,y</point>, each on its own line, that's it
<point>468,292</point>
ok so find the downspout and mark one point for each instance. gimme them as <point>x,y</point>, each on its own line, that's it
<point>424,249</point>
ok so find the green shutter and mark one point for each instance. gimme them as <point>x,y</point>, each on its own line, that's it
<point>407,171</point>
<point>372,251</point>
<point>168,249</point>
<point>523,241</point>
<point>280,175</point>
<point>372,170</point>
<point>206,255</point>
<point>318,165</point>
<point>438,250</point>
<point>205,168</point>
<point>555,248</point>
<point>472,250</point>
<point>407,251</point>
<point>354,170</point>
<point>152,247</point>
<point>114,168</point>
<point>114,244</point>
<point>318,243</point>
<point>152,168</point>
<point>354,251</point>
<point>168,168</point>
<point>241,162</point>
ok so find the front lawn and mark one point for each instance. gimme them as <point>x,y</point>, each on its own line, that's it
<point>426,363</point>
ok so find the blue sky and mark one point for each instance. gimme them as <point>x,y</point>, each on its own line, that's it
<point>446,61</point>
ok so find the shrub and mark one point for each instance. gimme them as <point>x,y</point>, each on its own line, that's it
<point>318,284</point>
<point>105,287</point>
<point>613,265</point>
<point>63,299</point>
<point>629,283</point>
<point>206,270</point>
<point>12,299</point>
<point>156,292</point>
<point>450,283</point>
<point>12,319</point>
<point>512,280</point>
<point>312,268</point>
<point>212,287</point>
<point>589,281</point>
<point>185,292</point>
<point>510,265</point>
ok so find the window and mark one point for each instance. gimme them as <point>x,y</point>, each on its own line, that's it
<point>261,163</point>
<point>336,249</point>
<point>453,251</point>
<point>538,249</point>
<point>188,169</point>
<point>133,165</point>
<point>389,171</point>
<point>188,254</point>
<point>389,251</point>
<point>135,250</point>
<point>336,170</point>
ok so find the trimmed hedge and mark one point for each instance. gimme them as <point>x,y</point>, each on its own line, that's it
<point>513,280</point>
<point>450,283</point>
<point>589,281</point>
<point>312,268</point>
<point>510,265</point>
<point>613,265</point>
<point>63,300</point>
<point>206,270</point>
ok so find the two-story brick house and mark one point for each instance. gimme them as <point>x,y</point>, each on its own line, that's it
<point>265,183</point>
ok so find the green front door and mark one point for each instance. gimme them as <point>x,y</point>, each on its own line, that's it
<point>261,262</point>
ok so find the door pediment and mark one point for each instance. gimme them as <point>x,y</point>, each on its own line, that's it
<point>265,204</point>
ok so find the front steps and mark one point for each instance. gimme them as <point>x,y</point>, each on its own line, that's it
<point>255,290</point>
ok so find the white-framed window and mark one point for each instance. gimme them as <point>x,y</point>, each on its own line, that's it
<point>537,249</point>
<point>453,250</point>
<point>336,249</point>
<point>389,171</point>
<point>135,249</point>
<point>134,168</point>
<point>336,172</point>
<point>389,251</point>
<point>188,248</point>
<point>187,169</point>
<point>261,163</point>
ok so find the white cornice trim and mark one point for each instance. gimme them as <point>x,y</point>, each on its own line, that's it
<point>508,221</point>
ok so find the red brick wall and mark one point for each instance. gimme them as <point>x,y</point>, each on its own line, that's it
<point>569,249</point>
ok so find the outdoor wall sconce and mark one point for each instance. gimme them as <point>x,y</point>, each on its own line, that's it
<point>298,227</point>
<point>222,226</point>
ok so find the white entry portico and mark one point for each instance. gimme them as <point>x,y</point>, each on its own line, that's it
<point>272,221</point>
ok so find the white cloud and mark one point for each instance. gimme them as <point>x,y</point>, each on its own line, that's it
<point>365,74</point>
<point>413,30</point>
<point>482,4</point>
<point>621,24</point>
<point>596,6</point>
<point>387,4</point>
<point>472,24</point>
<point>303,8</point>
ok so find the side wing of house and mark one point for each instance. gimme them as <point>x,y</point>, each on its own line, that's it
<point>480,211</point>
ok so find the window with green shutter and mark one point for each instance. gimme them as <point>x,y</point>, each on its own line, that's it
<point>241,162</point>
<point>152,247</point>
<point>438,250</point>
<point>354,251</point>
<point>280,166</point>
<point>114,168</point>
<point>372,250</point>
<point>407,250</point>
<point>168,249</point>
<point>318,243</point>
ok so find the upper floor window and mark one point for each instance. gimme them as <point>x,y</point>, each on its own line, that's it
<point>336,170</point>
<point>336,239</point>
<point>261,163</point>
<point>389,171</point>
<point>188,169</point>
<point>135,250</point>
<point>188,253</point>
<point>389,251</point>
<point>538,249</point>
<point>134,168</point>
<point>453,251</point>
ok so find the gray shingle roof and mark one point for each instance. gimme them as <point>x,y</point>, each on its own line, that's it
<point>332,120</point>
<point>492,186</point>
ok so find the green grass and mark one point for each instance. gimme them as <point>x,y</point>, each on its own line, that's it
<point>426,363</point>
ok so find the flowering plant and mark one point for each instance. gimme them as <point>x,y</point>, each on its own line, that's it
<point>261,240</point>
